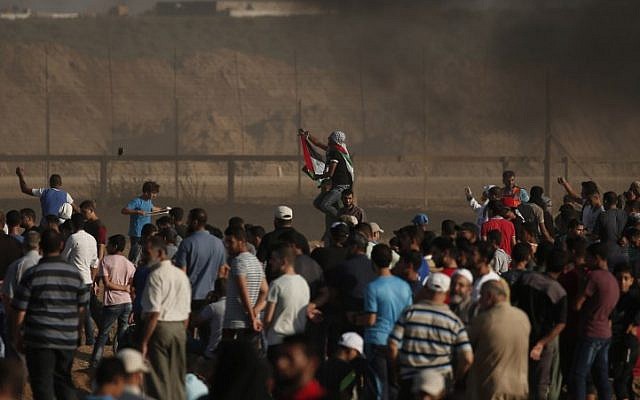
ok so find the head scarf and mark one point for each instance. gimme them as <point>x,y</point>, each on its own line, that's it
<point>338,137</point>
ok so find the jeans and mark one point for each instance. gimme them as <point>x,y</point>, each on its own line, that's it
<point>50,373</point>
<point>379,361</point>
<point>591,355</point>
<point>111,314</point>
<point>623,354</point>
<point>89,326</point>
<point>327,202</point>
<point>135,250</point>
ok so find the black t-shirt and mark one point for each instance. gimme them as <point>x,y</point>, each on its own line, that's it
<point>334,373</point>
<point>182,231</point>
<point>310,270</point>
<point>341,175</point>
<point>272,239</point>
<point>10,250</point>
<point>627,312</point>
<point>351,278</point>
<point>329,258</point>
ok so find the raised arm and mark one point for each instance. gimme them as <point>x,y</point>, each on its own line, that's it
<point>23,185</point>
<point>313,140</point>
<point>567,187</point>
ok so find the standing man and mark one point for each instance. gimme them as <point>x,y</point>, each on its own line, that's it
<point>429,335</point>
<point>138,210</point>
<point>52,287</point>
<point>595,304</point>
<point>81,251</point>
<point>498,222</point>
<point>200,255</point>
<point>246,291</point>
<point>28,221</point>
<point>117,276</point>
<point>165,308</point>
<point>94,226</point>
<point>512,195</point>
<point>10,249</point>
<point>460,296</point>
<point>500,339</point>
<point>610,225</point>
<point>52,198</point>
<point>287,300</point>
<point>384,300</point>
<point>350,207</point>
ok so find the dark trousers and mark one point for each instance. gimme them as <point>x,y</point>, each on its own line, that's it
<point>377,356</point>
<point>623,355</point>
<point>540,378</point>
<point>50,373</point>
<point>111,314</point>
<point>89,326</point>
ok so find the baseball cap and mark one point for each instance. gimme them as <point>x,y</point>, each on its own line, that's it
<point>375,227</point>
<point>339,228</point>
<point>132,360</point>
<point>284,213</point>
<point>420,219</point>
<point>463,272</point>
<point>486,188</point>
<point>352,340</point>
<point>438,282</point>
<point>429,382</point>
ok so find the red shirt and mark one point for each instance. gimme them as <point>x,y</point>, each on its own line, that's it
<point>312,391</point>
<point>505,227</point>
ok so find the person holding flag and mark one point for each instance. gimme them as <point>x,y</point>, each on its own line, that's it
<point>337,174</point>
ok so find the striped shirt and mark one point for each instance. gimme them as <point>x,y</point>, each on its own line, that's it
<point>246,265</point>
<point>427,336</point>
<point>51,293</point>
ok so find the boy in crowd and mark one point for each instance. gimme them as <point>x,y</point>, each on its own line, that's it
<point>139,210</point>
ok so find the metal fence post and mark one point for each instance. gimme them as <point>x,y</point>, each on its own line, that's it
<point>231,176</point>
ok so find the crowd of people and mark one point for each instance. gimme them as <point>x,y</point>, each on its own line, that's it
<point>520,303</point>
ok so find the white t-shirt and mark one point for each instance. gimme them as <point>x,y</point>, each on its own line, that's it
<point>477,285</point>
<point>290,293</point>
<point>81,251</point>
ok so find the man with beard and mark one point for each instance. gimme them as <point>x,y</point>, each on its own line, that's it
<point>460,297</point>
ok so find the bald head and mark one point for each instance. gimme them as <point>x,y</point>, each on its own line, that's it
<point>492,293</point>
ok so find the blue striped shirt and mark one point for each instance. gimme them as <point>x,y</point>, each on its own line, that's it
<point>427,336</point>
<point>51,293</point>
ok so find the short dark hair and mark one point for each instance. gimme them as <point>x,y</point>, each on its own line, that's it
<point>77,222</point>
<point>109,370</point>
<point>88,204</point>
<point>150,187</point>
<point>50,241</point>
<point>358,241</point>
<point>365,229</point>
<point>557,260</point>
<point>256,231</point>
<point>347,192</point>
<point>574,223</point>
<point>148,230</point>
<point>118,242</point>
<point>448,227</point>
<point>521,252</point>
<point>309,347</point>
<point>589,188</point>
<point>494,237</point>
<point>55,180</point>
<point>168,234</point>
<point>214,231</point>
<point>485,251</point>
<point>508,174</point>
<point>177,213</point>
<point>29,213</point>
<point>411,231</point>
<point>164,220</point>
<point>622,267</point>
<point>381,255</point>
<point>598,250</point>
<point>496,207</point>
<point>609,198</point>
<point>198,215</point>
<point>51,219</point>
<point>158,243</point>
<point>414,258</point>
<point>286,252</point>
<point>236,232</point>
<point>236,221</point>
<point>13,218</point>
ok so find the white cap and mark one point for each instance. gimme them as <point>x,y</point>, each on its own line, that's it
<point>65,211</point>
<point>350,219</point>
<point>284,213</point>
<point>133,361</point>
<point>375,227</point>
<point>429,382</point>
<point>463,272</point>
<point>438,282</point>
<point>486,188</point>
<point>352,340</point>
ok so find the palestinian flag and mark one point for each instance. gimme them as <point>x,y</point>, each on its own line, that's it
<point>313,160</point>
<point>342,149</point>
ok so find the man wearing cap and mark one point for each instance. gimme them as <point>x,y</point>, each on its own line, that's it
<point>135,368</point>
<point>421,221</point>
<point>200,255</point>
<point>429,335</point>
<point>282,223</point>
<point>460,296</point>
